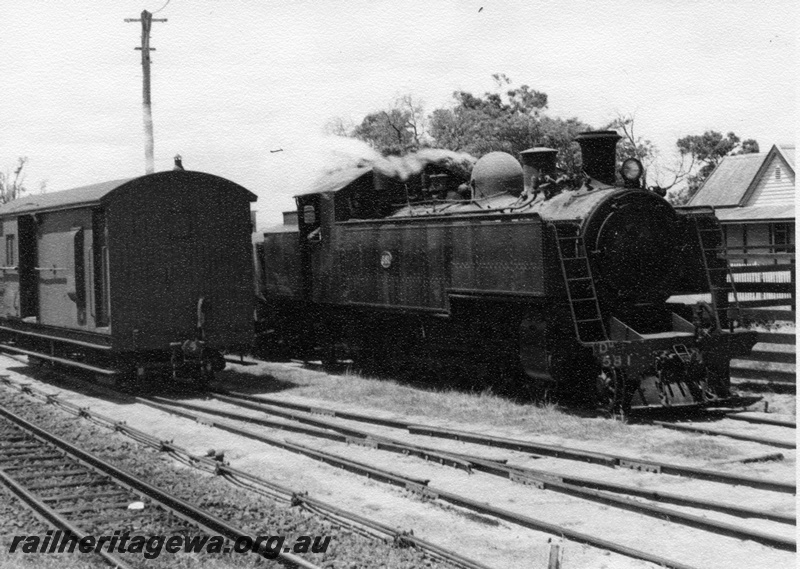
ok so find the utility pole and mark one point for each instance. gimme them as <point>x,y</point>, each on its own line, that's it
<point>147,20</point>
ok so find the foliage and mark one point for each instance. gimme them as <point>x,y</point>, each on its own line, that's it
<point>657,175</point>
<point>338,126</point>
<point>511,122</point>
<point>632,146</point>
<point>706,151</point>
<point>512,119</point>
<point>397,130</point>
<point>12,182</point>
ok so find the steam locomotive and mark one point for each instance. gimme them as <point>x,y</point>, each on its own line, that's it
<point>543,282</point>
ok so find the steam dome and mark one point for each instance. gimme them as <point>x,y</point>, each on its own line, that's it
<point>495,173</point>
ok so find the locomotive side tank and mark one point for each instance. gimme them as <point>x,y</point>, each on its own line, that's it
<point>129,277</point>
<point>545,283</point>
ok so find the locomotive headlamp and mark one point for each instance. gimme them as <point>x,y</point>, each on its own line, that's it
<point>631,170</point>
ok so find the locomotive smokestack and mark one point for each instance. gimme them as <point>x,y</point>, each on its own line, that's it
<point>599,154</point>
<point>178,163</point>
<point>535,162</point>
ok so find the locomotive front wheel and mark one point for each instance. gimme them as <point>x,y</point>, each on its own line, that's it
<point>611,392</point>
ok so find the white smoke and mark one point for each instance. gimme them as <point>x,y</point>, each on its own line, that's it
<point>296,164</point>
<point>350,152</point>
<point>413,163</point>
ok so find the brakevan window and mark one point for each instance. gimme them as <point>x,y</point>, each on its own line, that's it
<point>10,251</point>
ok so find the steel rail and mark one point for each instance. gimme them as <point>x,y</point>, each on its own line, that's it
<point>179,507</point>
<point>617,461</point>
<point>313,410</point>
<point>761,420</point>
<point>233,474</point>
<point>398,535</point>
<point>717,433</point>
<point>426,491</point>
<point>550,482</point>
<point>342,434</point>
<point>53,518</point>
<point>522,520</point>
<point>571,485</point>
<point>372,472</point>
<point>542,449</point>
<point>62,361</point>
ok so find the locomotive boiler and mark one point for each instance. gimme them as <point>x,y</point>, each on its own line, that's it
<point>137,280</point>
<point>539,281</point>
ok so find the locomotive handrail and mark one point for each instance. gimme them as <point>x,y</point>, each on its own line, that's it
<point>486,215</point>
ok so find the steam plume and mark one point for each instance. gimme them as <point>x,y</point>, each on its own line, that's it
<point>350,152</point>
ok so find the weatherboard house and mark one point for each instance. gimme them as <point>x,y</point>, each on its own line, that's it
<point>753,197</point>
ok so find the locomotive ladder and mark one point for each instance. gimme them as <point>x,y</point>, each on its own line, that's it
<point>581,293</point>
<point>712,243</point>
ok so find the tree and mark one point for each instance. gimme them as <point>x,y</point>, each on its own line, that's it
<point>338,126</point>
<point>12,182</point>
<point>509,121</point>
<point>706,151</point>
<point>631,145</point>
<point>656,175</point>
<point>397,130</point>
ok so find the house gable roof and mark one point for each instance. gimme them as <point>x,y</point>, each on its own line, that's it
<point>773,154</point>
<point>735,179</point>
<point>787,151</point>
<point>729,181</point>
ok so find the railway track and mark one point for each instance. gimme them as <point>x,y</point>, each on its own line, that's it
<point>262,486</point>
<point>82,495</point>
<point>575,486</point>
<point>315,422</point>
<point>779,443</point>
<point>311,414</point>
<point>421,488</point>
<point>594,489</point>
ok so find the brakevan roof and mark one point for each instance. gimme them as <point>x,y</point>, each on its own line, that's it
<point>88,195</point>
<point>65,199</point>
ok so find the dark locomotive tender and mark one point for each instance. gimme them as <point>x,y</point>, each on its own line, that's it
<point>129,277</point>
<point>532,279</point>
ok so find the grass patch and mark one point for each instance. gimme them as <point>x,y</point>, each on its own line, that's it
<point>699,448</point>
<point>479,410</point>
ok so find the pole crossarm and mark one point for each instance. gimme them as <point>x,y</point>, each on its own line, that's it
<point>147,20</point>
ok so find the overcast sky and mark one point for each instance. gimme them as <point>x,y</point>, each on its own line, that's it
<point>234,79</point>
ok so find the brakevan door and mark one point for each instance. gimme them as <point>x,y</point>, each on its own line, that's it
<point>27,263</point>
